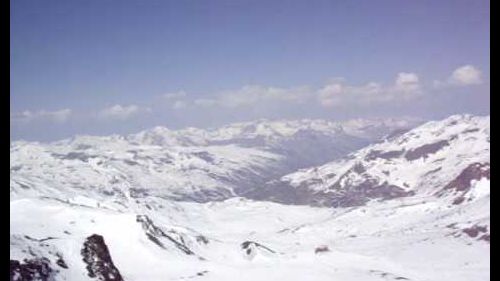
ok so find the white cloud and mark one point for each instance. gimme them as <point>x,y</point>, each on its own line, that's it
<point>338,93</point>
<point>119,112</point>
<point>177,100</point>
<point>407,82</point>
<point>465,75</point>
<point>57,116</point>
<point>331,95</point>
<point>253,94</point>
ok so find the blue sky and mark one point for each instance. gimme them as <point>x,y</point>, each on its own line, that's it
<point>102,67</point>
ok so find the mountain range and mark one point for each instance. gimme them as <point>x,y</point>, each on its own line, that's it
<point>365,199</point>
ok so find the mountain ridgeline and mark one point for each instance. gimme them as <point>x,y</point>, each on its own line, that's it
<point>378,199</point>
<point>188,165</point>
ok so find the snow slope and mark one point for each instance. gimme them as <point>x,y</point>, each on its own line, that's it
<point>423,160</point>
<point>110,208</point>
<point>402,239</point>
<point>190,164</point>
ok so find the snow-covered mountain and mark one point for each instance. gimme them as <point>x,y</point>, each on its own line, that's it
<point>114,169</point>
<point>303,142</point>
<point>421,161</point>
<point>408,238</point>
<point>271,132</point>
<point>410,205</point>
<point>190,164</point>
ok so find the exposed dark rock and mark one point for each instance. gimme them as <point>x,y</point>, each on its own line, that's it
<point>74,156</point>
<point>337,195</point>
<point>205,156</point>
<point>204,195</point>
<point>474,231</point>
<point>60,262</point>
<point>374,154</point>
<point>458,200</point>
<point>433,171</point>
<point>138,192</point>
<point>425,150</point>
<point>247,247</point>
<point>202,239</point>
<point>462,183</point>
<point>485,237</point>
<point>31,270</point>
<point>321,249</point>
<point>130,162</point>
<point>165,160</point>
<point>358,168</point>
<point>282,192</point>
<point>346,193</point>
<point>16,168</point>
<point>330,176</point>
<point>39,240</point>
<point>24,186</point>
<point>154,233</point>
<point>83,147</point>
<point>201,273</point>
<point>96,256</point>
<point>360,194</point>
<point>471,130</point>
<point>388,275</point>
<point>474,171</point>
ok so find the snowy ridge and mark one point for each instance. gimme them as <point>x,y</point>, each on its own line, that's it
<point>190,164</point>
<point>118,170</point>
<point>392,240</point>
<point>422,160</point>
<point>112,208</point>
<point>270,133</point>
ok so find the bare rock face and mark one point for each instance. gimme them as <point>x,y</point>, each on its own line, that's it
<point>425,150</point>
<point>387,155</point>
<point>474,171</point>
<point>251,248</point>
<point>344,192</point>
<point>475,230</point>
<point>99,263</point>
<point>30,270</point>
<point>157,235</point>
<point>462,183</point>
<point>321,249</point>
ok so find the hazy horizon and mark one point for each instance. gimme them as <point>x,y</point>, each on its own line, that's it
<point>100,68</point>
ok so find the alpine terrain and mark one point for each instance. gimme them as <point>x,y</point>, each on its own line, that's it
<point>366,199</point>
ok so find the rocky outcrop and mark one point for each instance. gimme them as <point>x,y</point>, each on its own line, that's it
<point>462,183</point>
<point>475,230</point>
<point>474,171</point>
<point>321,249</point>
<point>156,235</point>
<point>37,269</point>
<point>251,248</point>
<point>96,256</point>
<point>387,155</point>
<point>356,194</point>
<point>425,150</point>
